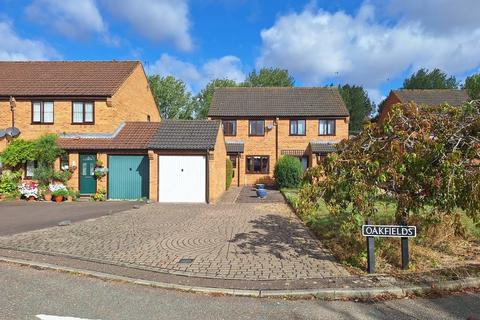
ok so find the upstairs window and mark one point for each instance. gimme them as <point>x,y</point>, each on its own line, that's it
<point>326,127</point>
<point>256,127</point>
<point>229,127</point>
<point>42,112</point>
<point>297,127</point>
<point>83,113</point>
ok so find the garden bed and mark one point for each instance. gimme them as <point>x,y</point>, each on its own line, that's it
<point>435,252</point>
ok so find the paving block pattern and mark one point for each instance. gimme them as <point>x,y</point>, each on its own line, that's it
<point>225,241</point>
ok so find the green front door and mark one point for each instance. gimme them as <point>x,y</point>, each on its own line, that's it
<point>128,177</point>
<point>88,183</point>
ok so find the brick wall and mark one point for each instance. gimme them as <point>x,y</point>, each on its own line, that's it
<point>217,168</point>
<point>153,179</point>
<point>265,145</point>
<point>392,99</point>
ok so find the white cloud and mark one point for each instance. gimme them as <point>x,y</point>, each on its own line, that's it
<point>437,16</point>
<point>157,20</point>
<point>72,18</point>
<point>316,46</point>
<point>197,77</point>
<point>16,48</point>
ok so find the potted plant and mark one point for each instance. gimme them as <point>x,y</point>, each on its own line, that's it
<point>100,172</point>
<point>45,193</point>
<point>59,195</point>
<point>29,190</point>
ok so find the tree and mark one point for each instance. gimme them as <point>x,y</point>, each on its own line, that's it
<point>472,85</point>
<point>203,99</point>
<point>171,97</point>
<point>435,79</point>
<point>358,104</point>
<point>269,77</point>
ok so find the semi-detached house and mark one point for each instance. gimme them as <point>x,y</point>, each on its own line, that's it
<point>262,124</point>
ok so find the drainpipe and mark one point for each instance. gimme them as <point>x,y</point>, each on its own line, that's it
<point>275,123</point>
<point>207,178</point>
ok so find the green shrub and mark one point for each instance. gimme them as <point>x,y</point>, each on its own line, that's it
<point>43,175</point>
<point>101,195</point>
<point>47,150</point>
<point>288,172</point>
<point>18,152</point>
<point>9,182</point>
<point>62,192</point>
<point>229,172</point>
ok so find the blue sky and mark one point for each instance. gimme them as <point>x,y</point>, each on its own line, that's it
<point>374,43</point>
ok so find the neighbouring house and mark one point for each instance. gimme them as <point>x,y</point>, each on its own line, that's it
<point>167,161</point>
<point>72,97</point>
<point>262,124</point>
<point>430,97</point>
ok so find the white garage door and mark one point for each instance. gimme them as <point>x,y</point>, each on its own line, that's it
<point>181,179</point>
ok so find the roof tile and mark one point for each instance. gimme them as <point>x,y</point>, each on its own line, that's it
<point>277,101</point>
<point>432,97</point>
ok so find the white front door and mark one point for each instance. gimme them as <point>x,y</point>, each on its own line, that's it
<point>182,179</point>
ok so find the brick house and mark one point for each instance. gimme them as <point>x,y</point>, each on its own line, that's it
<point>262,124</point>
<point>431,97</point>
<point>167,161</point>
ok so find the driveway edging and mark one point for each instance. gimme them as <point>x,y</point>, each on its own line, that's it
<point>323,293</point>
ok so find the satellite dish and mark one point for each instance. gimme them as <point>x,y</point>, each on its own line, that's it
<point>2,133</point>
<point>12,132</point>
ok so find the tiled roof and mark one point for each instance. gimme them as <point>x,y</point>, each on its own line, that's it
<point>63,78</point>
<point>322,147</point>
<point>296,153</point>
<point>185,135</point>
<point>130,136</point>
<point>433,97</point>
<point>278,101</point>
<point>234,146</point>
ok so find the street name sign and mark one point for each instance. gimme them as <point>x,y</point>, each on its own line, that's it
<point>369,230</point>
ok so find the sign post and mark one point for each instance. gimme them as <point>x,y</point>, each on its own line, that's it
<point>396,231</point>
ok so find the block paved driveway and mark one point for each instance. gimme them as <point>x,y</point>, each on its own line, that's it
<point>246,241</point>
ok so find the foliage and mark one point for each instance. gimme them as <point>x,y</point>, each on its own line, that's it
<point>60,192</point>
<point>358,104</point>
<point>422,157</point>
<point>288,172</point>
<point>100,172</point>
<point>57,186</point>
<point>229,172</point>
<point>75,194</point>
<point>62,176</point>
<point>44,175</point>
<point>435,79</point>
<point>472,85</point>
<point>204,99</point>
<point>47,150</point>
<point>29,189</point>
<point>101,195</point>
<point>269,77</point>
<point>18,152</point>
<point>171,97</point>
<point>9,182</point>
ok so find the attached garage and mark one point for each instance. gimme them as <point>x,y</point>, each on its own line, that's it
<point>182,178</point>
<point>188,161</point>
<point>128,177</point>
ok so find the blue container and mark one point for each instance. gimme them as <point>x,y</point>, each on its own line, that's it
<point>260,186</point>
<point>261,193</point>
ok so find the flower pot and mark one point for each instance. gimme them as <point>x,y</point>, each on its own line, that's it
<point>261,193</point>
<point>260,186</point>
<point>31,198</point>
<point>69,199</point>
<point>58,198</point>
<point>47,197</point>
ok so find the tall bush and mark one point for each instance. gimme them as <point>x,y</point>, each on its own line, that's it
<point>47,150</point>
<point>229,173</point>
<point>288,172</point>
<point>17,153</point>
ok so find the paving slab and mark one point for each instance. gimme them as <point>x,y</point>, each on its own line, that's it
<point>242,241</point>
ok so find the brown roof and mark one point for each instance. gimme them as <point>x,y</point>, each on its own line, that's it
<point>277,102</point>
<point>432,97</point>
<point>130,136</point>
<point>63,78</point>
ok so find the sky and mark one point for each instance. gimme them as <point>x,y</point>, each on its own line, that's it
<point>372,43</point>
